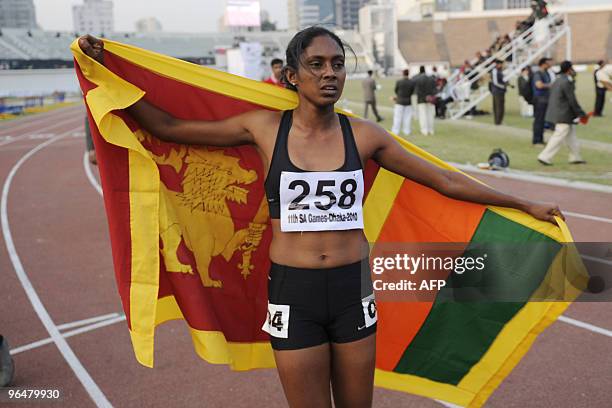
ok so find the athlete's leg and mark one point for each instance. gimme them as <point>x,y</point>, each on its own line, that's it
<point>353,372</point>
<point>305,375</point>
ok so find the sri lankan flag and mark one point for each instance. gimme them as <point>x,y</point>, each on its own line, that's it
<point>190,233</point>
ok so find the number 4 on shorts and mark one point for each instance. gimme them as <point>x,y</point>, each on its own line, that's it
<point>277,321</point>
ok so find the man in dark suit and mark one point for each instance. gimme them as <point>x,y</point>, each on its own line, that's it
<point>425,88</point>
<point>498,90</point>
<point>563,109</point>
<point>402,111</point>
<point>541,91</point>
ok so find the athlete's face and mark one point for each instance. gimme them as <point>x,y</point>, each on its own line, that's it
<point>321,74</point>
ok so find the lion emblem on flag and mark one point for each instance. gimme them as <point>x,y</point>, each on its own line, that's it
<point>200,215</point>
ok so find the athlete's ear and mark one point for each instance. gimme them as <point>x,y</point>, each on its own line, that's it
<point>291,76</point>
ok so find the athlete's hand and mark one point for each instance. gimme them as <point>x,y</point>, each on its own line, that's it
<point>544,211</point>
<point>93,47</point>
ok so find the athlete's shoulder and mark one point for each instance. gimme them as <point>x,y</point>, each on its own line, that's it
<point>262,117</point>
<point>263,124</point>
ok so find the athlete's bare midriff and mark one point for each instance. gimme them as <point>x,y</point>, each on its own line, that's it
<point>325,249</point>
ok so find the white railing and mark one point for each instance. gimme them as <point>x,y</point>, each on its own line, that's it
<point>522,51</point>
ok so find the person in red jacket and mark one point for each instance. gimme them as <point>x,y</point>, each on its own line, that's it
<point>277,68</point>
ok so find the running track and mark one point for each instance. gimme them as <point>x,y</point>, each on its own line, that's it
<point>61,313</point>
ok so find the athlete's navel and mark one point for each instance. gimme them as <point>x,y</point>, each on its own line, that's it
<point>323,257</point>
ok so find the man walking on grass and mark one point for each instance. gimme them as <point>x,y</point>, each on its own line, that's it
<point>563,110</point>
<point>369,98</point>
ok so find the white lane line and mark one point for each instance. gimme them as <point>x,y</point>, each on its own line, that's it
<point>40,118</point>
<point>595,259</point>
<point>588,217</point>
<point>31,346</point>
<point>532,178</point>
<point>95,326</point>
<point>90,386</point>
<point>84,322</point>
<point>38,131</point>
<point>90,176</point>
<point>40,343</point>
<point>447,404</point>
<point>587,326</point>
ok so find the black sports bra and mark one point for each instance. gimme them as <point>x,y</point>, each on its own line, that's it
<point>281,161</point>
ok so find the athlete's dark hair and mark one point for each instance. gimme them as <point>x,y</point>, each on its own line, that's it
<point>276,61</point>
<point>300,42</point>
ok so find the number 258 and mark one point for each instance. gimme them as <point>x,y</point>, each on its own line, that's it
<point>347,198</point>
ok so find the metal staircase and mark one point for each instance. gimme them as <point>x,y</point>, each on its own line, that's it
<point>524,50</point>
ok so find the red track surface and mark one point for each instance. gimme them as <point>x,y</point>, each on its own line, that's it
<point>60,234</point>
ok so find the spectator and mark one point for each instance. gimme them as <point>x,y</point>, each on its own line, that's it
<point>525,92</point>
<point>480,58</point>
<point>369,98</point>
<point>445,96</point>
<point>434,73</point>
<point>425,88</point>
<point>563,109</point>
<point>277,69</point>
<point>466,68</point>
<point>539,8</point>
<point>498,89</point>
<point>602,84</point>
<point>542,82</point>
<point>402,111</point>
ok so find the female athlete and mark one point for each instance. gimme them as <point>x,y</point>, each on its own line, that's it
<point>322,335</point>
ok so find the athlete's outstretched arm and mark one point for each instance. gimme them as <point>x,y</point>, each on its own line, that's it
<point>393,157</point>
<point>230,132</point>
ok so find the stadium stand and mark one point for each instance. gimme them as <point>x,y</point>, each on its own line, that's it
<point>591,35</point>
<point>461,41</point>
<point>417,41</point>
<point>21,48</point>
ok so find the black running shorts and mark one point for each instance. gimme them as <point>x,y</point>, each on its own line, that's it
<point>309,307</point>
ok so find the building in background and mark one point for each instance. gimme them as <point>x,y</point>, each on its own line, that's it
<point>304,13</point>
<point>347,13</point>
<point>377,27</point>
<point>452,5</point>
<point>148,25</point>
<point>93,16</point>
<point>504,4</point>
<point>426,8</point>
<point>17,14</point>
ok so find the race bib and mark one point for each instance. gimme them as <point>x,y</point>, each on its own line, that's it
<point>277,321</point>
<point>370,315</point>
<point>321,201</point>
